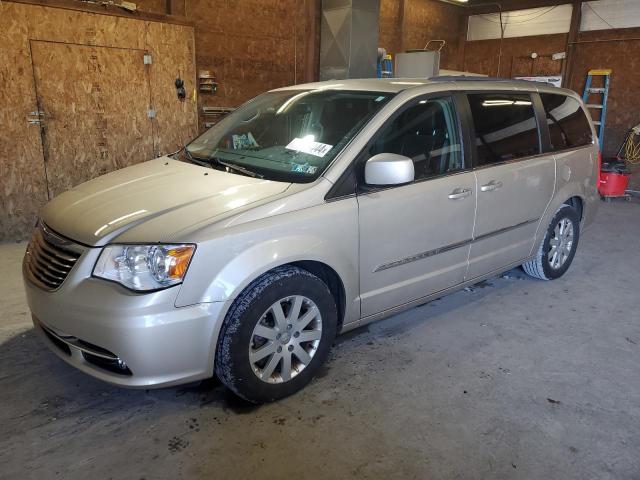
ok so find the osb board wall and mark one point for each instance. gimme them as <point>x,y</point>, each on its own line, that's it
<point>23,185</point>
<point>424,20</point>
<point>483,56</point>
<point>151,6</point>
<point>251,45</point>
<point>623,57</point>
<point>23,188</point>
<point>97,122</point>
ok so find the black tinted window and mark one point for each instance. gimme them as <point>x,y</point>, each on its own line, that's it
<point>568,125</point>
<point>505,126</point>
<point>427,133</point>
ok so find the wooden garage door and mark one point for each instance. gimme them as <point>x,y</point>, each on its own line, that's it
<point>94,103</point>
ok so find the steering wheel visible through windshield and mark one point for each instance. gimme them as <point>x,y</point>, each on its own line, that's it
<point>287,135</point>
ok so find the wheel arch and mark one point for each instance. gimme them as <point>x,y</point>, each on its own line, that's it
<point>576,202</point>
<point>333,281</point>
<point>572,199</point>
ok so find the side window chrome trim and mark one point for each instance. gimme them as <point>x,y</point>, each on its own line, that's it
<point>534,157</point>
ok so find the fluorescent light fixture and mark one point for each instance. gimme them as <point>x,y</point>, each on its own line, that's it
<point>502,103</point>
<point>496,103</point>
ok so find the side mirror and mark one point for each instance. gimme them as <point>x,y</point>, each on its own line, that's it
<point>388,169</point>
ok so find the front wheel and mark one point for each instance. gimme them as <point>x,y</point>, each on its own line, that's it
<point>558,247</point>
<point>276,335</point>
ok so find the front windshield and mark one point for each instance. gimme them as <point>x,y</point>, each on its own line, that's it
<point>289,135</point>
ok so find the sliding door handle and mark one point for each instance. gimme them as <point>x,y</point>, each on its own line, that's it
<point>491,186</point>
<point>459,193</point>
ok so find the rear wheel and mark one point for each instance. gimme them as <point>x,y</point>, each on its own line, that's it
<point>558,247</point>
<point>276,335</point>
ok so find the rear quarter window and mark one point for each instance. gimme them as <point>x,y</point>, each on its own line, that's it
<point>568,124</point>
<point>505,127</point>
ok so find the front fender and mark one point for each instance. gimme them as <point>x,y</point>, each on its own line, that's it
<point>224,266</point>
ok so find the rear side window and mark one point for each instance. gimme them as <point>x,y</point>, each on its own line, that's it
<point>505,127</point>
<point>568,125</point>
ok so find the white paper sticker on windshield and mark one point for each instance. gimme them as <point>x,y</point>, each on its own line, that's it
<point>307,145</point>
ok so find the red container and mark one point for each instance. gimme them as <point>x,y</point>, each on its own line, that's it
<point>613,184</point>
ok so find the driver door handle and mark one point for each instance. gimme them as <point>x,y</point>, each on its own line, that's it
<point>459,193</point>
<point>491,186</point>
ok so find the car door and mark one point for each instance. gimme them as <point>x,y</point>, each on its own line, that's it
<point>515,181</point>
<point>414,238</point>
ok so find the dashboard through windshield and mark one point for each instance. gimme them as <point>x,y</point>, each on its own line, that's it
<point>288,135</point>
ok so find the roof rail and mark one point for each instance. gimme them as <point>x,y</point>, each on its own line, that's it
<point>469,78</point>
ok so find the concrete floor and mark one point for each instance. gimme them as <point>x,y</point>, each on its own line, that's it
<point>515,378</point>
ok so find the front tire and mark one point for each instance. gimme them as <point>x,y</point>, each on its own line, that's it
<point>276,335</point>
<point>558,247</point>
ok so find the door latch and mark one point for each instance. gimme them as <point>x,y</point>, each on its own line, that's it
<point>491,186</point>
<point>459,193</point>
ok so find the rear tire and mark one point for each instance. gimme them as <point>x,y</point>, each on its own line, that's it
<point>276,335</point>
<point>558,247</point>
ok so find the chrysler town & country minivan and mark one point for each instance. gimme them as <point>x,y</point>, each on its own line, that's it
<point>308,211</point>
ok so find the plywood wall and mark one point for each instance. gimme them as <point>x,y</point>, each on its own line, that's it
<point>616,49</point>
<point>251,45</point>
<point>485,56</point>
<point>620,51</point>
<point>23,185</point>
<point>410,24</point>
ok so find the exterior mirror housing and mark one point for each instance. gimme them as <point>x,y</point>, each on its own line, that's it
<point>388,169</point>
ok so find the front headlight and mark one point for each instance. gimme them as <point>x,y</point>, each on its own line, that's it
<point>144,267</point>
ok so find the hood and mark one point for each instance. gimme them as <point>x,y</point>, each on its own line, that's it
<point>97,211</point>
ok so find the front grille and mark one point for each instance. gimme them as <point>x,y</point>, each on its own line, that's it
<point>49,258</point>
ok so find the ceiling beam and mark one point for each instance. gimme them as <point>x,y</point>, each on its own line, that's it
<point>490,6</point>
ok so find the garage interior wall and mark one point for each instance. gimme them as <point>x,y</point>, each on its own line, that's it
<point>86,72</point>
<point>615,48</point>
<point>252,46</point>
<point>410,24</point>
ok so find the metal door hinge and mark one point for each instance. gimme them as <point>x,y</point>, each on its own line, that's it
<point>147,59</point>
<point>35,118</point>
<point>151,113</point>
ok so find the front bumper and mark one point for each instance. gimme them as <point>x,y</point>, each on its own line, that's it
<point>160,344</point>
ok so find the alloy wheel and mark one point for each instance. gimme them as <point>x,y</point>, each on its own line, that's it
<point>561,243</point>
<point>285,339</point>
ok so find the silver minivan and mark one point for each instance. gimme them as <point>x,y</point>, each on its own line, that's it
<point>308,211</point>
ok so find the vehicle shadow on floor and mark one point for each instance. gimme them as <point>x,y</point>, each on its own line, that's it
<point>402,323</point>
<point>36,385</point>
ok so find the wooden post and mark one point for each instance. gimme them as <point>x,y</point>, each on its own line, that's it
<point>401,26</point>
<point>462,40</point>
<point>570,48</point>
<point>312,12</point>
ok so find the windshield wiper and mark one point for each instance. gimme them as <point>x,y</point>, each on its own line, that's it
<point>206,162</point>
<point>237,168</point>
